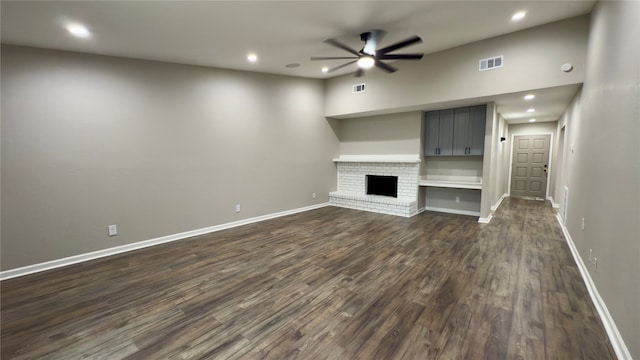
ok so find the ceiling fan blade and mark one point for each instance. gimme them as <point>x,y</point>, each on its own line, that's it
<point>359,73</point>
<point>341,66</point>
<point>314,58</point>
<point>400,56</point>
<point>385,67</point>
<point>374,38</point>
<point>410,41</point>
<point>341,46</point>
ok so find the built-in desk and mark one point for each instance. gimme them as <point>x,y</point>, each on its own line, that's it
<point>454,184</point>
<point>457,195</point>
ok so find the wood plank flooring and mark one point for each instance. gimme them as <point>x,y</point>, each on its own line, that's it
<point>331,283</point>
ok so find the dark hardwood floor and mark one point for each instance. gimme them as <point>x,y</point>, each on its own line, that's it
<point>331,283</point>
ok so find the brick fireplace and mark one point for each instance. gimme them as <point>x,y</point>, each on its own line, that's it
<point>352,189</point>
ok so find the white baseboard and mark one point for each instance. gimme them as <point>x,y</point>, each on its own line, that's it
<point>30,269</point>
<point>452,211</point>
<point>610,327</point>
<point>495,206</point>
<point>486,220</point>
<point>553,203</point>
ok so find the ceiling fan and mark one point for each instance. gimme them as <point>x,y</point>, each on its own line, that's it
<point>369,56</point>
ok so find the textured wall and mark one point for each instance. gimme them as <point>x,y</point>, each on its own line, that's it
<point>532,60</point>
<point>601,157</point>
<point>155,148</point>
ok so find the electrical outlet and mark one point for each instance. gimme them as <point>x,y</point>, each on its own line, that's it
<point>595,263</point>
<point>112,230</point>
<point>314,195</point>
<point>457,199</point>
<point>582,224</point>
<point>237,208</point>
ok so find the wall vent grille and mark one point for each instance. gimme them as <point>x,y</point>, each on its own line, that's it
<point>491,63</point>
<point>358,88</point>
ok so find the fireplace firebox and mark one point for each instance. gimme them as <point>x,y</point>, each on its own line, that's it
<point>382,185</point>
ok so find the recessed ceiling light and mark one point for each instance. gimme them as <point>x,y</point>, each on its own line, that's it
<point>78,30</point>
<point>532,120</point>
<point>531,110</point>
<point>529,97</point>
<point>518,16</point>
<point>252,57</point>
<point>325,69</point>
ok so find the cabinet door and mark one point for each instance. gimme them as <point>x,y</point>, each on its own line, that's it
<point>445,137</point>
<point>431,133</point>
<point>478,119</point>
<point>461,131</point>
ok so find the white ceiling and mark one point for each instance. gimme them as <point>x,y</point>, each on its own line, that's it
<point>222,33</point>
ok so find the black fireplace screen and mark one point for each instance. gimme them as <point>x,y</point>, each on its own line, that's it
<point>382,185</point>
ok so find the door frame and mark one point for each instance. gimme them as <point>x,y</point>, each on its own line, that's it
<point>513,136</point>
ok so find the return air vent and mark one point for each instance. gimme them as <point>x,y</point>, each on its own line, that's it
<point>358,88</point>
<point>491,63</point>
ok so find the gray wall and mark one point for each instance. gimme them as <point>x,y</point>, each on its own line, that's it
<point>155,148</point>
<point>492,153</point>
<point>502,176</point>
<point>384,134</point>
<point>532,59</point>
<point>468,166</point>
<point>444,198</point>
<point>603,172</point>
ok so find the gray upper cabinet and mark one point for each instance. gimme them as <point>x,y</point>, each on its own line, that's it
<point>457,132</point>
<point>461,131</point>
<point>477,126</point>
<point>438,139</point>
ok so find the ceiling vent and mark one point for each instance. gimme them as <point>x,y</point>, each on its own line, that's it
<point>358,88</point>
<point>491,63</point>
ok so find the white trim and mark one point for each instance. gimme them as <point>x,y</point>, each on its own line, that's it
<point>395,158</point>
<point>495,206</point>
<point>486,220</point>
<point>30,269</point>
<point>452,211</point>
<point>617,342</point>
<point>550,159</point>
<point>565,201</point>
<point>553,203</point>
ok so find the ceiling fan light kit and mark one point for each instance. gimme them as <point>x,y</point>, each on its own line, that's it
<point>366,62</point>
<point>370,56</point>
